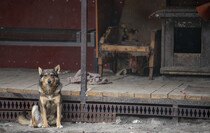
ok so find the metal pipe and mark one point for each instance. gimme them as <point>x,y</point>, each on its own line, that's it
<point>83,50</point>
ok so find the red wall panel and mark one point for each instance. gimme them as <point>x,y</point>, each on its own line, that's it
<point>52,14</point>
<point>44,56</point>
<point>46,14</point>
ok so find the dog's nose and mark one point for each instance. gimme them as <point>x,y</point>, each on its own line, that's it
<point>49,81</point>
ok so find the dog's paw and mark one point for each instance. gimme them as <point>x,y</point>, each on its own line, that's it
<point>44,126</point>
<point>60,126</point>
<point>34,126</point>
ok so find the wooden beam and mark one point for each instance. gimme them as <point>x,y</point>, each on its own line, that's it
<point>111,99</point>
<point>120,48</point>
<point>100,65</point>
<point>186,69</point>
<point>151,59</point>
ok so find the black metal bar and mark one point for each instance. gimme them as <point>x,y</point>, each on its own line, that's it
<point>175,113</point>
<point>83,50</point>
<point>99,112</point>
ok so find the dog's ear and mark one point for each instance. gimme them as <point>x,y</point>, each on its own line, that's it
<point>57,69</point>
<point>40,70</point>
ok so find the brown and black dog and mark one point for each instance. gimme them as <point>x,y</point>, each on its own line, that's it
<point>48,112</point>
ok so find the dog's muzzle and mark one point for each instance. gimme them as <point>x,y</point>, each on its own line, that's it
<point>49,81</point>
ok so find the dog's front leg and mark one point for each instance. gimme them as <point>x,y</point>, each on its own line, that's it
<point>59,108</point>
<point>43,111</point>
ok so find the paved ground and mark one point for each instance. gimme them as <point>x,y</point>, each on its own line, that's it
<point>123,125</point>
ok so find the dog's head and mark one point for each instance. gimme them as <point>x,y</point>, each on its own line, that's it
<point>49,77</point>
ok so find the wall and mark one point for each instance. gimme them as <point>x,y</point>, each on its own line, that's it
<point>65,14</point>
<point>44,14</point>
<point>45,57</point>
<point>55,14</point>
<point>109,13</point>
<point>136,14</point>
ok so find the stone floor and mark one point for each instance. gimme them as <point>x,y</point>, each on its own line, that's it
<point>26,80</point>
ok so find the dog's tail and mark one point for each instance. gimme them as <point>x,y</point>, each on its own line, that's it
<point>22,119</point>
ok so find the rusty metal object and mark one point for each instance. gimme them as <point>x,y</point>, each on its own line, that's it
<point>75,112</point>
<point>194,112</point>
<point>103,112</point>
<point>16,104</point>
<point>9,115</point>
<point>92,113</point>
<point>204,11</point>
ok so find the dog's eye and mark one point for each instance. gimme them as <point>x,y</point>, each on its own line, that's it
<point>52,75</point>
<point>45,76</point>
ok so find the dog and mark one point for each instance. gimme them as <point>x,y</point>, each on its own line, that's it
<point>49,110</point>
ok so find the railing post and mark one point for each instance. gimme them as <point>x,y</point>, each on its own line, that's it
<point>175,113</point>
<point>83,51</point>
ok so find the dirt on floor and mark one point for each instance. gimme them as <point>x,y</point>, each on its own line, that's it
<point>123,124</point>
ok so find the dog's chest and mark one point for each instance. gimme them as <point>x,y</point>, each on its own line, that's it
<point>50,104</point>
<point>51,107</point>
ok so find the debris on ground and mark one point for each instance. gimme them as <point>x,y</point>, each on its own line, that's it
<point>92,79</point>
